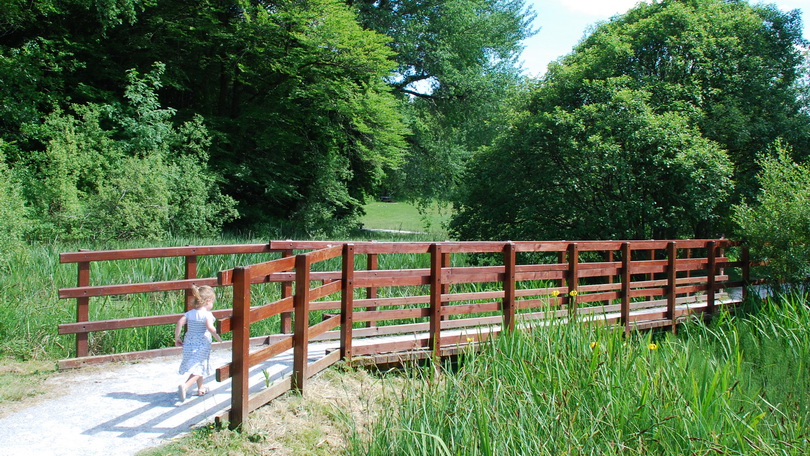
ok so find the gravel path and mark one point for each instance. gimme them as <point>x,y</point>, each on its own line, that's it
<point>123,408</point>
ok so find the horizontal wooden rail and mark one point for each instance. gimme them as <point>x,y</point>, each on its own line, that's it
<point>162,252</point>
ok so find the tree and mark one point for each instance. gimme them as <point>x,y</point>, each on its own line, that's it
<point>301,121</point>
<point>777,223</point>
<point>124,172</point>
<point>613,168</point>
<point>456,68</point>
<point>648,129</point>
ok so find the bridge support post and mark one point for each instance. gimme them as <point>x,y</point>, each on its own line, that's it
<point>240,392</point>
<point>434,340</point>
<point>509,258</point>
<point>347,303</point>
<point>746,271</point>
<point>286,292</point>
<point>301,335</point>
<point>711,272</point>
<point>82,308</point>
<point>626,278</point>
<point>573,279</point>
<point>672,286</point>
<point>372,263</point>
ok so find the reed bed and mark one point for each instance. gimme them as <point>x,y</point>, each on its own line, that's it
<point>738,385</point>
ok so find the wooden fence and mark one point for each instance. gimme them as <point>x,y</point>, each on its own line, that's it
<point>427,312</point>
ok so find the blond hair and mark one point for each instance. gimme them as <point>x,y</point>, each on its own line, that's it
<point>202,295</point>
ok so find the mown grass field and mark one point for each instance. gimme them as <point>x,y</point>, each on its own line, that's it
<point>406,217</point>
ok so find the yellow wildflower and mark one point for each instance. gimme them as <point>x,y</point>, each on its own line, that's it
<point>652,346</point>
<point>594,344</point>
<point>573,293</point>
<point>469,339</point>
<point>555,293</point>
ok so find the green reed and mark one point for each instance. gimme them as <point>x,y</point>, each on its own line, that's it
<point>735,386</point>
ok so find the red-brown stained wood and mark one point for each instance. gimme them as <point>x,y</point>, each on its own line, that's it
<point>131,288</point>
<point>326,325</point>
<point>573,268</point>
<point>223,373</point>
<point>711,271</point>
<point>396,314</point>
<point>672,276</point>
<point>162,252</point>
<point>627,255</point>
<point>286,292</point>
<point>241,345</point>
<point>435,297</point>
<point>509,258</point>
<point>261,312</point>
<point>347,303</point>
<point>82,307</point>
<point>191,273</point>
<point>332,251</point>
<point>301,335</point>
<point>372,263</point>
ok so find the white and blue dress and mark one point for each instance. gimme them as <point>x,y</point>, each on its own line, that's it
<point>197,343</point>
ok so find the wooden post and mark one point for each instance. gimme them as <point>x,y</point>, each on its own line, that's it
<point>301,336</point>
<point>710,272</point>
<point>672,284</point>
<point>573,278</point>
<point>372,263</point>
<point>561,260</point>
<point>626,278</point>
<point>347,303</point>
<point>286,292</point>
<point>609,258</point>
<point>445,286</point>
<point>746,270</point>
<point>509,286</point>
<point>83,307</point>
<point>191,273</point>
<point>435,299</point>
<point>240,391</point>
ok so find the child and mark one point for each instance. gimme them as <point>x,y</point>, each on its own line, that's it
<point>197,343</point>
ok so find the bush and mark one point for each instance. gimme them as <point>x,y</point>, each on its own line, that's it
<point>777,226</point>
<point>13,220</point>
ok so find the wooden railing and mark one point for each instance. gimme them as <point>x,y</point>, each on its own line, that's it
<point>635,284</point>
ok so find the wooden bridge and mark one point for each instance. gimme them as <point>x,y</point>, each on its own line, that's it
<point>379,315</point>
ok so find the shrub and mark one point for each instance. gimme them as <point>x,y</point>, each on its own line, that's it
<point>777,225</point>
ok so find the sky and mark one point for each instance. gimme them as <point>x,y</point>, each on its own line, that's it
<point>561,24</point>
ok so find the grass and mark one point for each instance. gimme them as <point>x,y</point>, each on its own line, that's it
<point>406,217</point>
<point>737,386</point>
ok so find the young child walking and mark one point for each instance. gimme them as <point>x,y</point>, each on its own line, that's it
<point>197,342</point>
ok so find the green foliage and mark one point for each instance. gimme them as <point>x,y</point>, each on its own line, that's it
<point>612,168</point>
<point>126,172</point>
<point>13,214</point>
<point>777,224</point>
<point>635,133</point>
<point>456,67</point>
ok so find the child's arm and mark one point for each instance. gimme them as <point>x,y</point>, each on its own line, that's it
<point>180,323</point>
<point>210,325</point>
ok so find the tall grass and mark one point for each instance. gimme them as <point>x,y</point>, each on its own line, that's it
<point>736,386</point>
<point>30,309</point>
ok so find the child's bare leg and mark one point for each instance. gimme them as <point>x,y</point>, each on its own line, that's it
<point>200,389</point>
<point>190,381</point>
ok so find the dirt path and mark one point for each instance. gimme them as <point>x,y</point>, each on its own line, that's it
<point>122,408</point>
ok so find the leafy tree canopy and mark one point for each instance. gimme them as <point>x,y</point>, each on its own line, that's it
<point>648,129</point>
